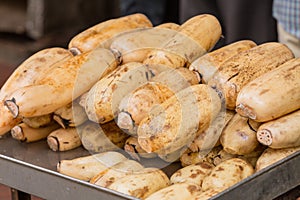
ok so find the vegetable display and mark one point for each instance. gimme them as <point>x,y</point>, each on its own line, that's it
<point>138,98</point>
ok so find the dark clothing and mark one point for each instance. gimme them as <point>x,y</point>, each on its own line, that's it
<point>240,19</point>
<point>158,11</point>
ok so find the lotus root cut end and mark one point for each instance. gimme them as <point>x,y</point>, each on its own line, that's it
<point>264,137</point>
<point>53,143</point>
<point>125,121</point>
<point>12,107</point>
<point>17,133</point>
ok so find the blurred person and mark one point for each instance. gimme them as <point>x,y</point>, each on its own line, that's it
<point>240,19</point>
<point>287,14</point>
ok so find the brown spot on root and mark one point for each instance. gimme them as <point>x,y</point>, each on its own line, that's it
<point>114,87</point>
<point>241,168</point>
<point>242,135</point>
<point>109,182</point>
<point>141,192</point>
<point>198,171</point>
<point>192,189</point>
<point>220,169</point>
<point>204,165</point>
<point>179,173</point>
<point>42,59</point>
<point>264,91</point>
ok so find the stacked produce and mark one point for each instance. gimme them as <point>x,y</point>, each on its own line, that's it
<point>127,91</point>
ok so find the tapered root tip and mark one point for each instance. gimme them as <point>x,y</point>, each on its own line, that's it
<point>53,143</point>
<point>63,123</point>
<point>12,107</point>
<point>125,121</point>
<point>131,151</point>
<point>17,133</point>
<point>264,137</point>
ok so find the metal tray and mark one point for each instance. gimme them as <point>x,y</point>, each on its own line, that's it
<point>31,168</point>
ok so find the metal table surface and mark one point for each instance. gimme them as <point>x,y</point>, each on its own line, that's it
<point>31,168</point>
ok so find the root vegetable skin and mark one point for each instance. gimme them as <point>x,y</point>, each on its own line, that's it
<point>27,134</point>
<point>204,195</point>
<point>162,131</point>
<point>136,105</point>
<point>119,170</point>
<point>227,173</point>
<point>244,67</point>
<point>194,173</point>
<point>207,156</point>
<point>39,121</point>
<point>283,132</point>
<point>169,25</point>
<point>85,168</point>
<point>239,136</point>
<point>178,191</point>
<point>174,53</point>
<point>142,183</point>
<point>208,64</point>
<point>135,45</point>
<point>101,138</point>
<point>210,137</point>
<point>101,34</point>
<point>26,74</point>
<point>210,33</point>
<point>60,85</point>
<point>104,97</point>
<point>262,101</point>
<point>271,156</point>
<point>29,70</point>
<point>140,102</point>
<point>63,139</point>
